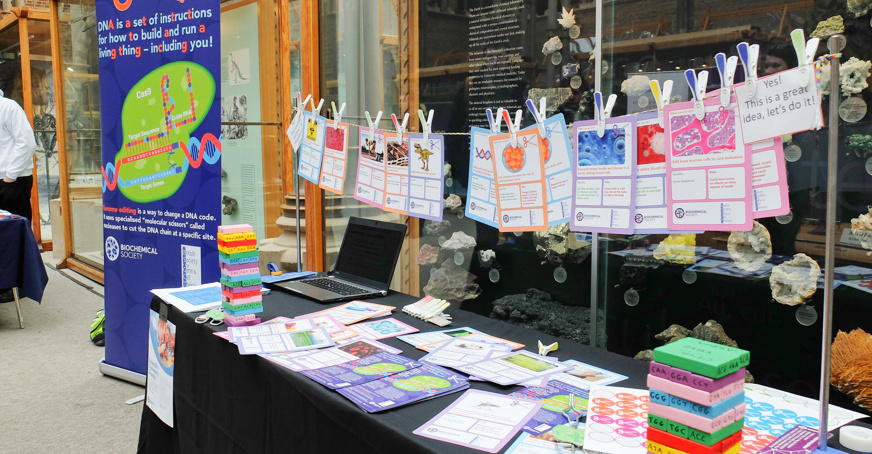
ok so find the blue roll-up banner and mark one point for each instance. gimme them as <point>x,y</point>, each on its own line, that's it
<point>161,124</point>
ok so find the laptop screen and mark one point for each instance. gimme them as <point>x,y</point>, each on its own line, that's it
<point>369,250</point>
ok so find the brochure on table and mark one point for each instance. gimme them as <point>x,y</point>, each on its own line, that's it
<point>335,158</point>
<point>361,370</point>
<point>480,420</point>
<point>422,383</point>
<point>617,420</point>
<point>305,339</point>
<point>353,312</point>
<point>429,337</point>
<point>161,367</point>
<point>558,169</point>
<point>461,352</point>
<point>519,170</point>
<point>481,201</point>
<point>478,337</point>
<point>605,183</point>
<point>708,184</point>
<point>315,359</point>
<point>382,329</point>
<point>191,299</point>
<point>529,444</point>
<point>370,184</point>
<point>426,180</point>
<point>582,375</point>
<point>554,396</point>
<point>513,368</point>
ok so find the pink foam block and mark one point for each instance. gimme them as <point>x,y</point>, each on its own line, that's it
<point>243,272</point>
<point>238,301</point>
<point>693,380</point>
<point>698,422</point>
<point>251,267</point>
<point>696,395</point>
<point>237,228</point>
<point>250,288</point>
<point>256,321</point>
<point>239,319</point>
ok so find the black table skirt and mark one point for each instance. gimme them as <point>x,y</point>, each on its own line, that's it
<point>229,403</point>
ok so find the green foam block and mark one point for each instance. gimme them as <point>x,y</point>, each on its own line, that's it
<point>701,357</point>
<point>705,438</point>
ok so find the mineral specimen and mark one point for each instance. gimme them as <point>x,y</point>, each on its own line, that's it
<point>851,366</point>
<point>459,241</point>
<point>536,310</point>
<point>558,245</point>
<point>435,228</point>
<point>427,255</point>
<point>487,258</point>
<point>859,7</point>
<point>853,74</point>
<point>829,27</point>
<point>569,70</point>
<point>712,331</point>
<point>453,202</point>
<point>794,281</point>
<point>446,171</point>
<point>453,283</point>
<point>677,248</point>
<point>673,333</point>
<point>552,45</point>
<point>861,227</point>
<point>750,250</point>
<point>636,86</point>
<point>860,144</point>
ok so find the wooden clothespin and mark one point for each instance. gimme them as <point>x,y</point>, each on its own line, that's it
<point>661,98</point>
<point>603,112</point>
<point>697,83</point>
<point>749,55</point>
<point>804,54</point>
<point>727,70</point>
<point>373,125</point>
<point>337,114</point>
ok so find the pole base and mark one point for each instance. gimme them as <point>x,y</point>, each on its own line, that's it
<point>830,450</point>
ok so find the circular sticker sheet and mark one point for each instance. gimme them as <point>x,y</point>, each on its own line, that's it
<point>617,420</point>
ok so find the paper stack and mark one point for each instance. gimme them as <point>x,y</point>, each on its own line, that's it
<point>697,398</point>
<point>240,274</point>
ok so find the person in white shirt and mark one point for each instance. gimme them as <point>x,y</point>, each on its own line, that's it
<point>17,145</point>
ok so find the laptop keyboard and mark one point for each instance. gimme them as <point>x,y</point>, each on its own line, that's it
<point>335,286</point>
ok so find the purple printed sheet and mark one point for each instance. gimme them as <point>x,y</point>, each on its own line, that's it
<point>363,370</point>
<point>422,383</point>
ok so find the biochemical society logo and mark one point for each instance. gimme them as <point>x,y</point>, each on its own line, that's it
<point>679,213</point>
<point>114,250</point>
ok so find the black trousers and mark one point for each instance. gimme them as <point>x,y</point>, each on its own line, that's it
<point>15,196</point>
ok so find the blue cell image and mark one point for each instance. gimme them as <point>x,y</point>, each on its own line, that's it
<point>608,150</point>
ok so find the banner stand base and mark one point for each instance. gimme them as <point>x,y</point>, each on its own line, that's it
<point>121,374</point>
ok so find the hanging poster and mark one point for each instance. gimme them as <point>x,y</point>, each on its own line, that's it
<point>708,168</point>
<point>769,178</point>
<point>370,186</point>
<point>558,169</point>
<point>397,178</point>
<point>605,181</point>
<point>161,367</point>
<point>520,182</point>
<point>426,167</point>
<point>651,211</point>
<point>781,105</point>
<point>481,202</point>
<point>159,62</point>
<point>335,158</point>
<point>312,151</point>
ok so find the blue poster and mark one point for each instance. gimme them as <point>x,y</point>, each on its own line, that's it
<point>161,114</point>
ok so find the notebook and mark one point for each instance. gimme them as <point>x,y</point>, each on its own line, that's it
<point>364,267</point>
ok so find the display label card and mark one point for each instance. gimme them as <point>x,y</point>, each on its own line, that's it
<point>435,336</point>
<point>335,158</point>
<point>558,169</point>
<point>769,179</point>
<point>397,177</point>
<point>515,368</point>
<point>780,106</point>
<point>314,359</point>
<point>354,311</point>
<point>481,200</point>
<point>475,336</point>
<point>337,331</point>
<point>371,169</point>
<point>382,329</point>
<point>159,392</point>
<point>460,352</point>
<point>404,388</point>
<point>480,420</point>
<point>604,199</point>
<point>363,370</point>
<point>284,342</point>
<point>312,152</point>
<point>520,178</point>
<point>617,420</point>
<point>708,184</point>
<point>426,169</point>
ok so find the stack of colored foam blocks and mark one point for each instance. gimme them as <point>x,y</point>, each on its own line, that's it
<point>240,275</point>
<point>697,398</point>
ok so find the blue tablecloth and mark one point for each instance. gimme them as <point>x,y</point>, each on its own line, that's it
<point>20,263</point>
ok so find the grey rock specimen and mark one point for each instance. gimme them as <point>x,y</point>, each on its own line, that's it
<point>459,241</point>
<point>552,45</point>
<point>673,333</point>
<point>435,228</point>
<point>536,310</point>
<point>453,283</point>
<point>453,202</point>
<point>712,331</point>
<point>558,245</point>
<point>645,355</point>
<point>487,258</point>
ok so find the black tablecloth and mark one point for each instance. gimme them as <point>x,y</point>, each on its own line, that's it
<point>229,403</point>
<point>20,263</point>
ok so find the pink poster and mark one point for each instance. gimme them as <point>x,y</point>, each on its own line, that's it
<point>769,178</point>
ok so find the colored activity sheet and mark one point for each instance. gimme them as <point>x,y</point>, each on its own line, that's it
<point>781,105</point>
<point>397,173</point>
<point>271,327</point>
<point>708,185</point>
<point>529,444</point>
<point>481,200</point>
<point>769,179</point>
<point>480,420</point>
<point>192,299</point>
<point>586,374</point>
<point>159,392</point>
<point>558,169</point>
<point>617,420</point>
<point>460,352</point>
<point>651,211</point>
<point>426,167</point>
<point>605,182</point>
<point>284,342</point>
<point>770,413</point>
<point>314,359</point>
<point>335,158</point>
<point>435,336</point>
<point>554,396</point>
<point>382,329</point>
<point>370,185</point>
<point>362,370</point>
<point>404,388</point>
<point>337,331</point>
<point>312,152</point>
<point>476,336</point>
<point>354,311</point>
<point>513,368</point>
<point>520,182</point>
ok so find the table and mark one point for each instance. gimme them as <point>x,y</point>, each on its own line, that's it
<point>21,266</point>
<point>229,403</point>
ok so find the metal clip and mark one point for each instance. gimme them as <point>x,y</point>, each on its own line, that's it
<point>337,115</point>
<point>749,55</point>
<point>804,54</point>
<point>697,83</point>
<point>426,124</point>
<point>373,125</point>
<point>539,115</point>
<point>603,113</point>
<point>727,70</point>
<point>661,98</point>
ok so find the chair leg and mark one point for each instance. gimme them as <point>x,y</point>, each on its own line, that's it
<point>18,307</point>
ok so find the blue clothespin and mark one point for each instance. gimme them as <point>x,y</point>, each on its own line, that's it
<point>804,54</point>
<point>538,115</point>
<point>373,125</point>
<point>749,55</point>
<point>697,83</point>
<point>661,98</point>
<point>495,121</point>
<point>603,112</point>
<point>727,70</point>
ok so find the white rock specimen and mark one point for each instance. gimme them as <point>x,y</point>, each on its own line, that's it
<point>750,250</point>
<point>459,241</point>
<point>861,227</point>
<point>453,202</point>
<point>794,281</point>
<point>552,45</point>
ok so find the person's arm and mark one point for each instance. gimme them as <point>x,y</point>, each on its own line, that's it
<point>21,155</point>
